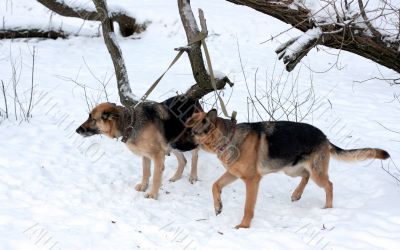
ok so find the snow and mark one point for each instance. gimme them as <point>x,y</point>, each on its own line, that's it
<point>382,14</point>
<point>61,191</point>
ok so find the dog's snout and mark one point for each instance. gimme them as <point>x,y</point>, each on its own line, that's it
<point>80,130</point>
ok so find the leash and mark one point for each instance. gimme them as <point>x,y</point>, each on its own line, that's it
<point>200,38</point>
<point>214,85</point>
<point>128,130</point>
<point>154,85</point>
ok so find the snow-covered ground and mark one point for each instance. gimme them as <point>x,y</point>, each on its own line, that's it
<point>60,191</point>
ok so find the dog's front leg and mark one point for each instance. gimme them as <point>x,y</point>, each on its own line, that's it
<point>193,172</point>
<point>251,198</point>
<point>146,175</point>
<point>157,175</point>
<point>224,180</point>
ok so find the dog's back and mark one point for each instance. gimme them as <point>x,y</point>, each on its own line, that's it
<point>292,142</point>
<point>180,108</point>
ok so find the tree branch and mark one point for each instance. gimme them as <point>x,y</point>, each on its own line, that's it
<point>382,51</point>
<point>367,22</point>
<point>296,48</point>
<point>127,24</point>
<point>127,98</point>
<point>203,84</point>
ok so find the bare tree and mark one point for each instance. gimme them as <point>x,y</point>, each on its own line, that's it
<point>340,24</point>
<point>203,84</point>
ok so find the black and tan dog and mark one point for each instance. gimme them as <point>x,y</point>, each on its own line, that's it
<point>251,150</point>
<point>151,130</point>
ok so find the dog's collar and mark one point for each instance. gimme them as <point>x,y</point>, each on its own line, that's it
<point>222,149</point>
<point>128,130</point>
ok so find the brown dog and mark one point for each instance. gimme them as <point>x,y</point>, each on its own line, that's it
<point>151,130</point>
<point>251,150</point>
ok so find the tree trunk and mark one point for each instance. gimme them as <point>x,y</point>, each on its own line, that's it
<point>203,84</point>
<point>124,90</point>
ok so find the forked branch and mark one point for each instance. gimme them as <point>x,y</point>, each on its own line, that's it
<point>203,84</point>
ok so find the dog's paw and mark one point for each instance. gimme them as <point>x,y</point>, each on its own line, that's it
<point>150,196</point>
<point>296,197</point>
<point>242,225</point>
<point>193,179</point>
<point>141,187</point>
<point>218,208</point>
<point>174,178</point>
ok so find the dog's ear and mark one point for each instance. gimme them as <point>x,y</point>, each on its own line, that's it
<point>196,117</point>
<point>212,115</point>
<point>111,114</point>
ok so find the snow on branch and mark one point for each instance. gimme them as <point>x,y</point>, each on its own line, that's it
<point>128,25</point>
<point>127,98</point>
<point>296,48</point>
<point>32,32</point>
<point>370,29</point>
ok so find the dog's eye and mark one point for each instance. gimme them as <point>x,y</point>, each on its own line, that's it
<point>105,115</point>
<point>204,121</point>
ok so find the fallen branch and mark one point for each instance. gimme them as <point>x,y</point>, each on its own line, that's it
<point>127,24</point>
<point>32,33</point>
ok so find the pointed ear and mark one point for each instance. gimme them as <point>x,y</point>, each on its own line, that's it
<point>212,115</point>
<point>196,117</point>
<point>111,114</point>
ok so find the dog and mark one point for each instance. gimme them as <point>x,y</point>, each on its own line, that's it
<point>151,130</point>
<point>251,150</point>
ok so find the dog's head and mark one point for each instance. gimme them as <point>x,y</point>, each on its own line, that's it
<point>102,120</point>
<point>202,124</point>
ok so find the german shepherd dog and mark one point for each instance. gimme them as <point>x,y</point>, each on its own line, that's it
<point>151,130</point>
<point>251,150</point>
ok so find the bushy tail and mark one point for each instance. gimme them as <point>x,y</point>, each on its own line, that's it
<point>358,154</point>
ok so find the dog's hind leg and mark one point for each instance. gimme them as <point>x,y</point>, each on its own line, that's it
<point>193,172</point>
<point>146,175</point>
<point>224,180</point>
<point>319,174</point>
<point>251,198</point>
<point>181,165</point>
<point>296,195</point>
<point>157,175</point>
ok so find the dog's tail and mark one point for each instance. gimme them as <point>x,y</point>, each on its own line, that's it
<point>360,154</point>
